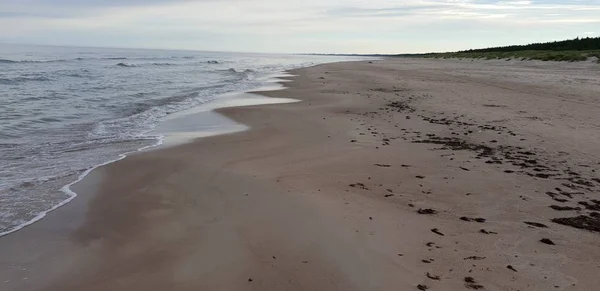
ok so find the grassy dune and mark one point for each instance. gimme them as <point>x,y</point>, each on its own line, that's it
<point>561,56</point>
<point>573,50</point>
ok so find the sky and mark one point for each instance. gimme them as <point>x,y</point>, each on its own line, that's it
<point>298,26</point>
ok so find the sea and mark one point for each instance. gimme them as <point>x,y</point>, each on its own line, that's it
<point>66,110</point>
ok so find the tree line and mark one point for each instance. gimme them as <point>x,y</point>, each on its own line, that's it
<point>577,44</point>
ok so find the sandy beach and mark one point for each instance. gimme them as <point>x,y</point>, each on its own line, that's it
<point>398,174</point>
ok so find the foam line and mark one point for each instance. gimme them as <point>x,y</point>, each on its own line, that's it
<point>67,188</point>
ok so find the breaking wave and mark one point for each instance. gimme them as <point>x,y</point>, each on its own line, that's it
<point>247,74</point>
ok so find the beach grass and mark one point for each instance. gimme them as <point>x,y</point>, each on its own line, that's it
<point>572,50</point>
<point>560,56</point>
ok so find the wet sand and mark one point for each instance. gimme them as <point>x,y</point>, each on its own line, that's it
<point>392,175</point>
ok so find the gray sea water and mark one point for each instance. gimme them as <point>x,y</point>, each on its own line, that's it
<point>65,110</point>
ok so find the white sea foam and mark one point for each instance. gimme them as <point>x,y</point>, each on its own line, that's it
<point>67,188</point>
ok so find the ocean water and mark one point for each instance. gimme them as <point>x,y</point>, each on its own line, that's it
<point>66,110</point>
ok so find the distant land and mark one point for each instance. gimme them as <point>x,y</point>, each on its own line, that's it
<point>573,50</point>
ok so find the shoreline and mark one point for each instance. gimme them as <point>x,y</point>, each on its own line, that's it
<point>333,193</point>
<point>159,137</point>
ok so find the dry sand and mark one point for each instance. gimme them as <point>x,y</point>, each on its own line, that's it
<point>393,175</point>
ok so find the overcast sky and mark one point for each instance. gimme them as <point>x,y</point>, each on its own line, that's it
<point>324,26</point>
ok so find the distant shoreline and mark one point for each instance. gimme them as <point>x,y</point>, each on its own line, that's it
<point>574,50</point>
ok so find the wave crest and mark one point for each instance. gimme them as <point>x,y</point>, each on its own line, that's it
<point>247,74</point>
<point>17,80</point>
<point>7,61</point>
<point>125,65</point>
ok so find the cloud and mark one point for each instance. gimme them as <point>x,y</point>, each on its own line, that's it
<point>296,26</point>
<point>95,3</point>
